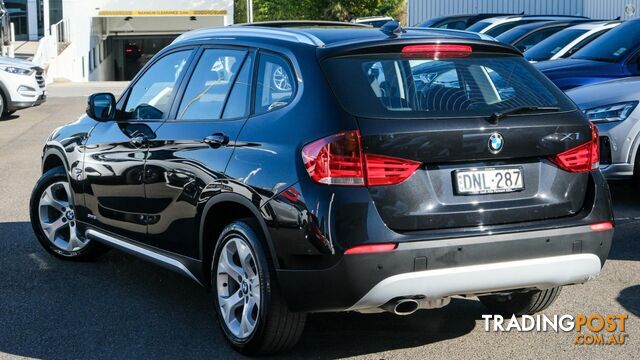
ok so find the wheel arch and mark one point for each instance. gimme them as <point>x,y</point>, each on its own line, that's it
<point>4,92</point>
<point>52,158</point>
<point>218,212</point>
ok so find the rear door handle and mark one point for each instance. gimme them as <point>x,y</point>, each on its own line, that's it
<point>216,140</point>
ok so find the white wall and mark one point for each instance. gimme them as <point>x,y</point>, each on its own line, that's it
<point>100,58</point>
<point>89,30</point>
<point>610,9</point>
<point>420,10</point>
<point>135,5</point>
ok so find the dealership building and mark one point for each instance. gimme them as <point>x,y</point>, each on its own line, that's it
<point>89,40</point>
<point>420,10</point>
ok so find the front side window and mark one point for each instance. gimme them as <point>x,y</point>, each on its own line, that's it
<point>151,96</point>
<point>275,83</point>
<point>390,86</point>
<point>210,83</point>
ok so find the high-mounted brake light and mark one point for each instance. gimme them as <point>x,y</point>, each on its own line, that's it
<point>583,158</point>
<point>437,51</point>
<point>339,160</point>
<point>370,249</point>
<point>602,226</point>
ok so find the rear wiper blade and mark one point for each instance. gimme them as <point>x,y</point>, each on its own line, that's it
<point>499,115</point>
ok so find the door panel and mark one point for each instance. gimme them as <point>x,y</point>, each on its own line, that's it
<point>114,166</point>
<point>116,150</point>
<point>188,156</point>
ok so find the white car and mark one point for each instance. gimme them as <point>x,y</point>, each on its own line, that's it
<point>613,107</point>
<point>500,24</point>
<point>22,85</point>
<point>375,21</point>
<point>566,42</point>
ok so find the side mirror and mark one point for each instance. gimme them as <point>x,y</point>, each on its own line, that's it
<point>101,106</point>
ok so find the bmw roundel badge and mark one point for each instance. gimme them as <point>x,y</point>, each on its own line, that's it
<point>496,143</point>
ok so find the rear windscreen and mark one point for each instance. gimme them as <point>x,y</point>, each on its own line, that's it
<point>390,86</point>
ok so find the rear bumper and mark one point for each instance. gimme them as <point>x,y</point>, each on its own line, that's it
<point>459,266</point>
<point>617,171</point>
<point>541,273</point>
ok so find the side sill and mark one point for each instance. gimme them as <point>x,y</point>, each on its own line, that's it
<point>142,252</point>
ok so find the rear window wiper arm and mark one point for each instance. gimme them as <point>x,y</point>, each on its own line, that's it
<point>499,115</point>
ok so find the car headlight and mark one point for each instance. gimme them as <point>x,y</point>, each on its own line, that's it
<point>611,113</point>
<point>17,70</point>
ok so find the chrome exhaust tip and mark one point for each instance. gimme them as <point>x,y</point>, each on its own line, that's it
<point>402,307</point>
<point>406,307</point>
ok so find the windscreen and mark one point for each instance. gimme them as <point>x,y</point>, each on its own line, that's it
<point>548,48</point>
<point>391,86</point>
<point>613,46</point>
<point>499,29</point>
<point>512,35</point>
<point>479,26</point>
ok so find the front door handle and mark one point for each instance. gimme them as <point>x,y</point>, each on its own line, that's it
<point>216,140</point>
<point>139,140</point>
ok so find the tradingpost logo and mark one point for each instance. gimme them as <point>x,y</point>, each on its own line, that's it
<point>593,329</point>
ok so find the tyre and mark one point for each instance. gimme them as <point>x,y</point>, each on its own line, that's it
<point>53,219</point>
<point>3,105</point>
<point>249,307</point>
<point>520,303</point>
<point>636,170</point>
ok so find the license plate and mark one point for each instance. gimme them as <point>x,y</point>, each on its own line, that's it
<point>488,181</point>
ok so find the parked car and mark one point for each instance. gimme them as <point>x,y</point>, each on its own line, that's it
<point>566,42</point>
<point>375,21</point>
<point>526,36</point>
<point>613,55</point>
<point>334,169</point>
<point>22,85</point>
<point>457,22</point>
<point>498,25</point>
<point>613,107</point>
<point>5,25</point>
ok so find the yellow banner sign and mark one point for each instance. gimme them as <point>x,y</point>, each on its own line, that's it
<point>160,12</point>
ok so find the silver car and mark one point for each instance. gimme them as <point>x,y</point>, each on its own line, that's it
<point>613,107</point>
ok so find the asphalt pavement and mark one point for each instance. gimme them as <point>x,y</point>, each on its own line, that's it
<point>122,307</point>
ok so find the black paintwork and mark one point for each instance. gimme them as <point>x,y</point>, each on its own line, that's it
<point>166,192</point>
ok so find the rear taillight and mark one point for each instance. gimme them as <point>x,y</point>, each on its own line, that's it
<point>436,51</point>
<point>583,158</point>
<point>339,160</point>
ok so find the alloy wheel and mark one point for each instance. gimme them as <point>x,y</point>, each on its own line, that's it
<point>57,218</point>
<point>238,285</point>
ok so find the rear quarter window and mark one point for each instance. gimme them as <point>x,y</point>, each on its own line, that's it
<point>275,83</point>
<point>390,86</point>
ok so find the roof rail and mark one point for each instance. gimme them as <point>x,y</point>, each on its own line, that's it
<point>303,23</point>
<point>255,31</point>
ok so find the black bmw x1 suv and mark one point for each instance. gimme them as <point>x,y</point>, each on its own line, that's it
<point>317,168</point>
